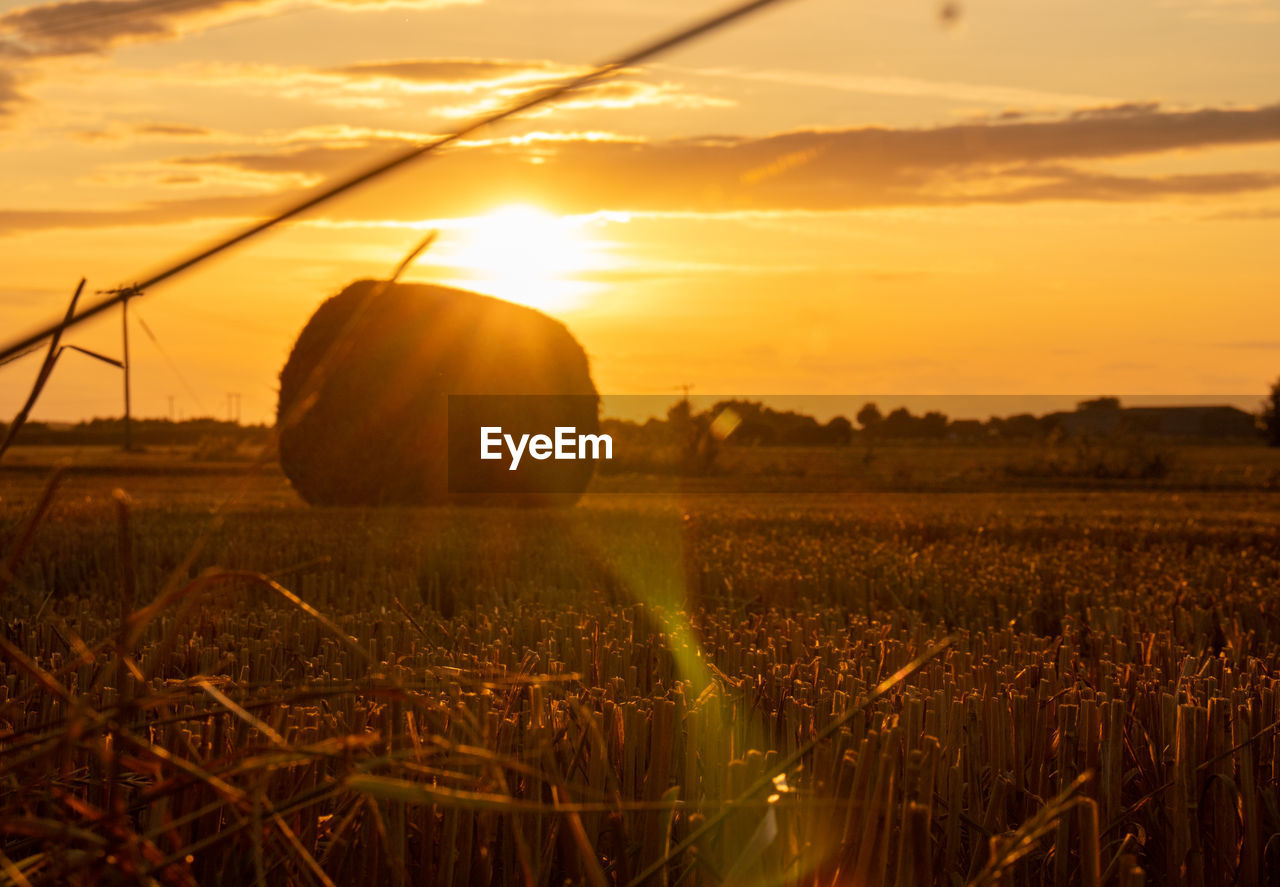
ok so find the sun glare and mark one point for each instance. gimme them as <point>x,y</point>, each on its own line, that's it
<point>525,254</point>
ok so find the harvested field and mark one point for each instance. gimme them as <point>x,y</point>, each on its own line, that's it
<point>697,691</point>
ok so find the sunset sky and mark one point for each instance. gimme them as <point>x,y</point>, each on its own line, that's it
<point>1043,196</point>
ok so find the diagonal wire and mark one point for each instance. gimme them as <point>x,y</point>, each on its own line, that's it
<point>21,354</point>
<point>169,360</point>
<point>526,102</point>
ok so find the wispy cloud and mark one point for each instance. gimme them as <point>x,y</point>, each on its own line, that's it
<point>989,162</point>
<point>498,81</point>
<point>308,156</point>
<point>448,88</point>
<point>462,75</point>
<point>615,95</point>
<point>164,212</point>
<point>304,165</point>
<point>1252,345</point>
<point>802,171</point>
<point>909,87</point>
<point>79,27</point>
<point>150,130</point>
<point>32,34</point>
<point>1244,215</point>
<point>11,97</point>
<point>278,159</point>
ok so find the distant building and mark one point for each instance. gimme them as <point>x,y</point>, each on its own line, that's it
<point>1206,422</point>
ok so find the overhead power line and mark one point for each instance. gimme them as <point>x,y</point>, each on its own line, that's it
<point>521,104</point>
<point>173,366</point>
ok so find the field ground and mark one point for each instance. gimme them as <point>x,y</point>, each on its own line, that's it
<point>1122,464</point>
<point>675,688</point>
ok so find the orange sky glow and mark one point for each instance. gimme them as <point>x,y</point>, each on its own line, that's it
<point>828,198</point>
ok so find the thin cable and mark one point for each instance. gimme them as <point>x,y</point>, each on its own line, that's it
<point>531,100</point>
<point>21,354</point>
<point>169,360</point>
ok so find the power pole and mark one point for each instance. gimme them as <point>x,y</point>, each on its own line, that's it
<point>171,408</point>
<point>124,323</point>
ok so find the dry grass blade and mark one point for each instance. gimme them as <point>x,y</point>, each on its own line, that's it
<point>46,369</point>
<point>306,857</point>
<point>140,619</point>
<point>766,781</point>
<point>257,724</point>
<point>12,872</point>
<point>1008,850</point>
<point>586,852</point>
<point>388,788</point>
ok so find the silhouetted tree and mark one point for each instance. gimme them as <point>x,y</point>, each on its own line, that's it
<point>933,425</point>
<point>899,424</point>
<point>1022,425</point>
<point>1271,415</point>
<point>869,416</point>
<point>1099,403</point>
<point>762,425</point>
<point>839,431</point>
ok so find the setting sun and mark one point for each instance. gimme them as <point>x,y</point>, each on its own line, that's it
<point>525,254</point>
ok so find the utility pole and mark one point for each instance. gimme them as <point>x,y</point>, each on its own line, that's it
<point>124,322</point>
<point>171,408</point>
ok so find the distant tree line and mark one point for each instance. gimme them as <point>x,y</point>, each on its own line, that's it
<point>145,432</point>
<point>698,435</point>
<point>752,423</point>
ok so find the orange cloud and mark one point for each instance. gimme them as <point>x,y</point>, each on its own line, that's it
<point>10,95</point>
<point>458,74</point>
<point>503,79</point>
<point>868,167</point>
<point>94,27</point>
<point>78,27</point>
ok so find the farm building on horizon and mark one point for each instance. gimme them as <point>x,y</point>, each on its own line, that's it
<point>1207,421</point>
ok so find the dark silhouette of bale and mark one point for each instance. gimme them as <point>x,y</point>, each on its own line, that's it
<point>376,432</point>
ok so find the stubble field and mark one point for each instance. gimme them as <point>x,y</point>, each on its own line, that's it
<point>1037,686</point>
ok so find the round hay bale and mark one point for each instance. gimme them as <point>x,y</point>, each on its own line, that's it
<point>376,428</point>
